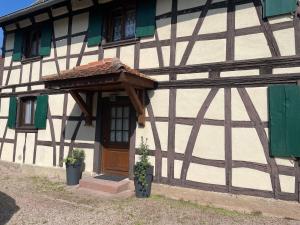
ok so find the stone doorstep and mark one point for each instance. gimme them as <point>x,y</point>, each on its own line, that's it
<point>112,187</point>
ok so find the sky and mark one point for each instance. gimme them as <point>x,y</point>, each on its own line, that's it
<point>8,6</point>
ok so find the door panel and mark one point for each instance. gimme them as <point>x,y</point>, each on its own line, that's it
<point>116,132</point>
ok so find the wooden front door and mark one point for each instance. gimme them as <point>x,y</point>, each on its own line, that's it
<point>116,135</point>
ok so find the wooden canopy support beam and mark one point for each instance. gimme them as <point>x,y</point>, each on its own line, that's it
<point>86,107</point>
<point>137,102</point>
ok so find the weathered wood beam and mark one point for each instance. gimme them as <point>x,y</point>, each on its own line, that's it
<point>85,108</point>
<point>136,102</point>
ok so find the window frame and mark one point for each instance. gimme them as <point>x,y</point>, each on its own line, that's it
<point>27,44</point>
<point>121,9</point>
<point>21,126</point>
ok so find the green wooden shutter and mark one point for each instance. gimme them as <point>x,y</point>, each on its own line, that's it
<point>40,116</point>
<point>145,18</point>
<point>284,120</point>
<point>46,37</point>
<point>278,7</point>
<point>95,27</point>
<point>17,53</point>
<point>12,113</point>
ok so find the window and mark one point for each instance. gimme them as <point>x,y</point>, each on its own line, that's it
<point>121,23</point>
<point>26,112</point>
<point>31,44</point>
<point>119,127</point>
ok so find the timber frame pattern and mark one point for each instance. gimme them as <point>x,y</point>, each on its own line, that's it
<point>215,82</point>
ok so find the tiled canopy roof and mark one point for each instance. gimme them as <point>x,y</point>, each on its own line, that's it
<point>102,67</point>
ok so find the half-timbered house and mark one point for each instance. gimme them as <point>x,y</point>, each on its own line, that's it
<point>211,85</point>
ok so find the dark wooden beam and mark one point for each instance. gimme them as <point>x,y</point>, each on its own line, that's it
<point>85,108</point>
<point>136,102</point>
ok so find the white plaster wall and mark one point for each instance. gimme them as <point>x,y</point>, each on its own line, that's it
<point>86,134</point>
<point>2,126</point>
<point>164,167</point>
<point>19,148</point>
<point>44,156</point>
<point>35,75</point>
<point>110,52</point>
<point>286,41</point>
<point>250,178</point>
<point>30,140</point>
<point>73,108</point>
<point>81,4</point>
<point>239,73</point>
<point>238,109</point>
<point>145,133</point>
<point>190,76</point>
<point>49,68</point>
<point>216,108</point>
<point>59,11</point>
<point>215,21</point>
<point>61,47</point>
<point>25,73</point>
<point>89,159</point>
<point>286,70</point>
<point>56,103</point>
<point>186,24</point>
<point>246,16</point>
<point>287,183</point>
<point>8,59</point>
<point>7,152</point>
<point>285,162</point>
<point>80,23</point>
<point>162,129</point>
<point>183,4</point>
<point>163,6</point>
<point>88,59</point>
<point>9,42</point>
<point>259,97</point>
<point>160,102</point>
<point>160,77</point>
<point>246,146</point>
<point>180,49</point>
<point>127,55</point>
<point>210,143</point>
<point>182,134</point>
<point>177,168</point>
<point>14,77</point>
<point>163,28</point>
<point>10,134</point>
<point>148,58</point>
<point>206,174</point>
<point>280,19</point>
<point>251,46</point>
<point>4,106</point>
<point>61,27</point>
<point>189,101</point>
<point>166,55</point>
<point>208,52</point>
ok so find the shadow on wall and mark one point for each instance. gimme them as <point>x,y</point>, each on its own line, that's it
<point>8,208</point>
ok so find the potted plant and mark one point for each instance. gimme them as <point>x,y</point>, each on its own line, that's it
<point>74,166</point>
<point>143,172</point>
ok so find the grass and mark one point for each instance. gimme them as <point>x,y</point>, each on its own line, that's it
<point>43,184</point>
<point>207,208</point>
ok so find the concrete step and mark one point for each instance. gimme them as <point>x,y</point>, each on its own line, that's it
<point>103,185</point>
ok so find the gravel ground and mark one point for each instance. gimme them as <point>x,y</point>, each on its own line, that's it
<point>37,200</point>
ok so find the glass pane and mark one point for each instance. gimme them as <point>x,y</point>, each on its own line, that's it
<point>117,28</point>
<point>113,112</point>
<point>125,124</point>
<point>130,24</point>
<point>126,112</point>
<point>119,124</point>
<point>119,112</point>
<point>28,112</point>
<point>119,136</point>
<point>125,136</point>
<point>112,136</point>
<point>113,124</point>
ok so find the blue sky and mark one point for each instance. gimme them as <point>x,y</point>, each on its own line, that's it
<point>8,6</point>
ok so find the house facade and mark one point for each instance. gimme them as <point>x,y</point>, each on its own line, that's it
<point>208,83</point>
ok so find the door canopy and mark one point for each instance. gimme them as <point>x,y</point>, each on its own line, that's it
<point>106,75</point>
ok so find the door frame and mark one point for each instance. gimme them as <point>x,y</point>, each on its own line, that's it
<point>106,103</point>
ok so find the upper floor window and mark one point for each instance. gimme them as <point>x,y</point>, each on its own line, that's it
<point>121,23</point>
<point>31,44</point>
